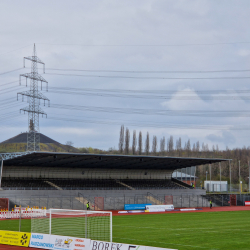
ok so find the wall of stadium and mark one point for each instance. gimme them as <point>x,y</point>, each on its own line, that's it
<point>84,173</point>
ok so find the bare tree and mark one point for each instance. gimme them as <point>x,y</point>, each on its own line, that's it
<point>121,140</point>
<point>127,138</point>
<point>154,145</point>
<point>140,143</point>
<point>134,143</point>
<point>69,145</point>
<point>198,146</point>
<point>162,145</point>
<point>178,146</point>
<point>147,144</point>
<point>171,144</point>
<point>188,147</point>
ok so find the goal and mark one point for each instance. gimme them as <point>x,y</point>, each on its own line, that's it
<point>95,225</point>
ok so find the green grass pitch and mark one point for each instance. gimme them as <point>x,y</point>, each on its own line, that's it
<point>215,230</point>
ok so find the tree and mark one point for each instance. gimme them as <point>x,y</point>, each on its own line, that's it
<point>154,145</point>
<point>127,138</point>
<point>69,145</point>
<point>147,144</point>
<point>134,143</point>
<point>140,143</point>
<point>188,147</point>
<point>170,143</point>
<point>178,146</point>
<point>121,140</point>
<point>198,146</point>
<point>162,145</point>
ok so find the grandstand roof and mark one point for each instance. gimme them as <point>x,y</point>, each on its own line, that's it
<point>48,159</point>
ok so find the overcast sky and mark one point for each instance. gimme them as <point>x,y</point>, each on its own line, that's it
<point>167,67</point>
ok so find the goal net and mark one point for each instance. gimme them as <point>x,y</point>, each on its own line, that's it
<point>95,225</point>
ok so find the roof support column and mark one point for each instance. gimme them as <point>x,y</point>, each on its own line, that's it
<point>1,171</point>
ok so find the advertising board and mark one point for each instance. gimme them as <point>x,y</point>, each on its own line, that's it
<point>103,245</point>
<point>135,206</point>
<point>159,208</point>
<point>40,241</point>
<point>14,238</point>
<point>247,203</point>
<point>46,241</point>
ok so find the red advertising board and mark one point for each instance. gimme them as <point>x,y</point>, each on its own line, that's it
<point>247,203</point>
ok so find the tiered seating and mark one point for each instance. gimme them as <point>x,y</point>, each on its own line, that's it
<point>87,184</point>
<point>25,184</point>
<point>152,184</point>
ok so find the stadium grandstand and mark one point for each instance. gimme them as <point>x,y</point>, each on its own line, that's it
<point>70,180</point>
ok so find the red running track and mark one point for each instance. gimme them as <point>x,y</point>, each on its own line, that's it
<point>115,213</point>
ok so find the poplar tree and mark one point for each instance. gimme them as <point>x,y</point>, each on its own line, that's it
<point>154,145</point>
<point>147,144</point>
<point>140,143</point>
<point>121,140</point>
<point>127,138</point>
<point>134,143</point>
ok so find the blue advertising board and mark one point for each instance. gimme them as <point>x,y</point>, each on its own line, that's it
<point>136,206</point>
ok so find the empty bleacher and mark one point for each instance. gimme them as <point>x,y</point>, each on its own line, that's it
<point>89,184</point>
<point>20,184</point>
<point>152,184</point>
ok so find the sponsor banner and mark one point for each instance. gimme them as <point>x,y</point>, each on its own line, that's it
<point>247,203</point>
<point>14,238</point>
<point>72,243</point>
<point>159,208</point>
<point>40,241</point>
<point>135,206</point>
<point>46,241</point>
<point>103,245</point>
<point>24,214</point>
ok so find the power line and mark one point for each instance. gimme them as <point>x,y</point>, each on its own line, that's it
<point>154,95</point>
<point>158,78</point>
<point>157,71</point>
<point>14,50</point>
<point>198,113</point>
<point>177,126</point>
<point>144,45</point>
<point>10,71</point>
<point>8,83</point>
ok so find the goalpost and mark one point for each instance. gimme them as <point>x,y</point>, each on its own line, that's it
<point>95,225</point>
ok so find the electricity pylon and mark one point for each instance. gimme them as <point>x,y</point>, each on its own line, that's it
<point>33,98</point>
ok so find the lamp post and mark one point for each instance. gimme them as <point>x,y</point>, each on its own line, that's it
<point>1,172</point>
<point>220,176</point>
<point>230,174</point>
<point>206,175</point>
<point>239,178</point>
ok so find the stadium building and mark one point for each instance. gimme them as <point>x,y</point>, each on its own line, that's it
<point>108,182</point>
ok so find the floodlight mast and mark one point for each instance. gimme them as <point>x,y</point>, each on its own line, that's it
<point>33,98</point>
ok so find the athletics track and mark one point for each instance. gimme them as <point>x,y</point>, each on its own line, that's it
<point>115,213</point>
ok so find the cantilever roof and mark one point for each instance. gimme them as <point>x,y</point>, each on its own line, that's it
<point>48,159</point>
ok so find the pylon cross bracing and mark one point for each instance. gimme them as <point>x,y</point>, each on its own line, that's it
<point>34,96</point>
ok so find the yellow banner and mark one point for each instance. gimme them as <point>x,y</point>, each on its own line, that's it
<point>14,238</point>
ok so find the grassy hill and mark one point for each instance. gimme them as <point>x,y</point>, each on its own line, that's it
<point>19,143</point>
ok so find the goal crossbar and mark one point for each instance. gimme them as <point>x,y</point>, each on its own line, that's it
<point>95,225</point>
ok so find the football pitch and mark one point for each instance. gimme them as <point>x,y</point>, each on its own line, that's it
<point>214,230</point>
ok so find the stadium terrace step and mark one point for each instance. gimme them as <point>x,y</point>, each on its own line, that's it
<point>85,201</point>
<point>53,185</point>
<point>125,185</point>
<point>154,200</point>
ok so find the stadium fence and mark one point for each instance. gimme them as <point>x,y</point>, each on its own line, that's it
<point>117,202</point>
